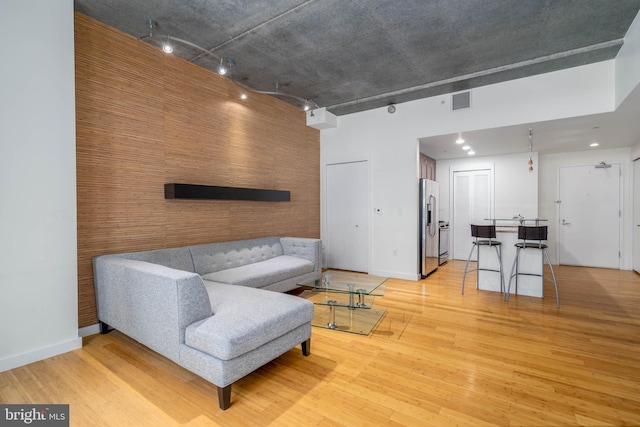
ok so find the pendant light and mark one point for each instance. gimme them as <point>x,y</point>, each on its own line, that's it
<point>530,162</point>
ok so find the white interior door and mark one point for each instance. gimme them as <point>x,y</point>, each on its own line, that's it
<point>636,215</point>
<point>347,212</point>
<point>471,205</point>
<point>589,215</point>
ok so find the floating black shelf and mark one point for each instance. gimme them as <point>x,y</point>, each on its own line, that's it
<point>212,192</point>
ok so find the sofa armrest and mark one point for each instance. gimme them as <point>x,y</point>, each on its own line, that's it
<point>151,303</point>
<point>309,249</point>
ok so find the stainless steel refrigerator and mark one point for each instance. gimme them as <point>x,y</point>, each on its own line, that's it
<point>429,248</point>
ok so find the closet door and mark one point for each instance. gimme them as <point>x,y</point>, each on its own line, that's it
<point>471,205</point>
<point>347,200</point>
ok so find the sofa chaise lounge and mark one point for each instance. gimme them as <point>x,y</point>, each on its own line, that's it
<point>211,308</point>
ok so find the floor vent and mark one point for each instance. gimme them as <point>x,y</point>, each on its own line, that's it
<point>460,100</point>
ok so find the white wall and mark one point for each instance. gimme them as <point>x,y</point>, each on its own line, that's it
<point>38,256</point>
<point>628,63</point>
<point>548,177</point>
<point>390,143</point>
<point>515,188</point>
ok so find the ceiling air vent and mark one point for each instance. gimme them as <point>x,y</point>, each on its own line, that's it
<point>460,100</point>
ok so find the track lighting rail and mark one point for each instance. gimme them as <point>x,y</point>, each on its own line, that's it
<point>225,67</point>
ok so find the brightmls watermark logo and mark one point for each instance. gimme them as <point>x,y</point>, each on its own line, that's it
<point>34,415</point>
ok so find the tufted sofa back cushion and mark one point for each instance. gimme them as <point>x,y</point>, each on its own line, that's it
<point>178,258</point>
<point>213,257</point>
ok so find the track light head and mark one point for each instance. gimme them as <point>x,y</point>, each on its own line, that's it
<point>167,47</point>
<point>225,66</point>
<point>151,24</point>
<point>222,70</point>
<point>309,104</point>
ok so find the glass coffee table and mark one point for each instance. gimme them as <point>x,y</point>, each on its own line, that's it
<point>344,301</point>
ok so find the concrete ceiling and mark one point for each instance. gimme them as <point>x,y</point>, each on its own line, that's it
<point>356,55</point>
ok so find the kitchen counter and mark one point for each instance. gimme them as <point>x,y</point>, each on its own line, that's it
<point>506,229</point>
<point>516,221</point>
<point>530,262</point>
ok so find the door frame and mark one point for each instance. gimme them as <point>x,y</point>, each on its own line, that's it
<point>621,202</point>
<point>323,223</point>
<point>635,213</point>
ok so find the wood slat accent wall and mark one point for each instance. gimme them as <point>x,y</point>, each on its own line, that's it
<point>145,118</point>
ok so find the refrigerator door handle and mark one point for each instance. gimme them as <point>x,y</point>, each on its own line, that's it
<point>432,208</point>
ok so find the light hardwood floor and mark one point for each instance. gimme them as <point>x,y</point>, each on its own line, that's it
<point>436,358</point>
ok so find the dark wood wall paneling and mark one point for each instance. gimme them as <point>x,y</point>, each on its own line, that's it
<point>427,167</point>
<point>145,118</point>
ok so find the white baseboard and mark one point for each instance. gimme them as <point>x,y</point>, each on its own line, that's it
<point>89,330</point>
<point>396,275</point>
<point>39,354</point>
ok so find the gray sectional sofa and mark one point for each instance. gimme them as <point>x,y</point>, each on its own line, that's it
<point>210,308</point>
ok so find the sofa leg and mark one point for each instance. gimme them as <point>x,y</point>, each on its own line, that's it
<point>224,397</point>
<point>306,347</point>
<point>104,328</point>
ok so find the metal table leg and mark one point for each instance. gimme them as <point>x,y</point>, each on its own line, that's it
<point>332,314</point>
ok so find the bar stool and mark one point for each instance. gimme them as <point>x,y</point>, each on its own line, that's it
<point>532,238</point>
<point>484,236</point>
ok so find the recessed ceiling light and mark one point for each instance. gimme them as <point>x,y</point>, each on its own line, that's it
<point>471,152</point>
<point>593,144</point>
<point>466,147</point>
<point>459,141</point>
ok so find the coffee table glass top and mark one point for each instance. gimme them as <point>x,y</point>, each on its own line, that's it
<point>355,321</point>
<point>344,301</point>
<point>350,282</point>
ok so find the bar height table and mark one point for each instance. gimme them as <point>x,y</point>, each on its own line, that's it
<point>530,261</point>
